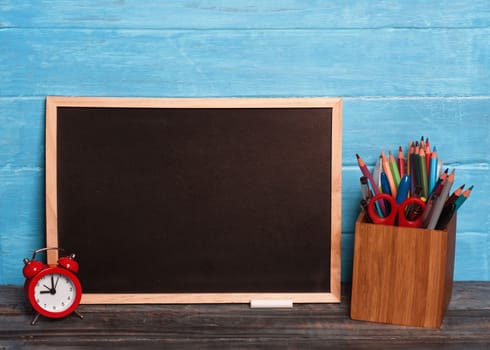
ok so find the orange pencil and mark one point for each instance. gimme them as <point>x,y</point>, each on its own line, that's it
<point>389,175</point>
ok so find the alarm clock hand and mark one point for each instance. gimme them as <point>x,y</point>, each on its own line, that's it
<point>45,291</point>
<point>53,287</point>
<point>49,290</point>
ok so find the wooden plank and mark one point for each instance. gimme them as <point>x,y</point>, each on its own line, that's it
<point>177,63</point>
<point>446,121</point>
<point>22,133</point>
<point>51,176</point>
<point>208,298</point>
<point>52,102</point>
<point>236,326</point>
<point>250,14</point>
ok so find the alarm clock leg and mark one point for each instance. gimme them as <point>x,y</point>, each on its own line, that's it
<point>34,320</point>
<point>78,314</point>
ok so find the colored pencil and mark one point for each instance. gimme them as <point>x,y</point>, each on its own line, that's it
<point>403,189</point>
<point>378,169</point>
<point>385,186</point>
<point>432,169</point>
<point>416,155</point>
<point>409,150</point>
<point>413,175</point>
<point>366,192</point>
<point>440,182</point>
<point>401,162</point>
<point>389,175</point>
<point>365,172</point>
<point>394,169</point>
<point>446,215</point>
<point>463,197</point>
<point>439,203</point>
<point>427,155</point>
<point>455,195</point>
<point>423,173</point>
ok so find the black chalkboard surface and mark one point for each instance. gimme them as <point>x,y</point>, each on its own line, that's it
<point>196,200</point>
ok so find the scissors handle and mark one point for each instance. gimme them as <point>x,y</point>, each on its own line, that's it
<point>408,204</point>
<point>373,213</point>
<point>413,204</point>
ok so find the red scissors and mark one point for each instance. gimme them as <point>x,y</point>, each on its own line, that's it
<point>400,210</point>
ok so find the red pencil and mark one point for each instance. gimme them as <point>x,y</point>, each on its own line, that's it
<point>401,162</point>
<point>366,173</point>
<point>455,195</point>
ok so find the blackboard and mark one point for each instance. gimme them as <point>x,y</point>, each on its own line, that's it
<point>196,200</point>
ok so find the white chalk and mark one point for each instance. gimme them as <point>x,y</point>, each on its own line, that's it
<point>271,303</point>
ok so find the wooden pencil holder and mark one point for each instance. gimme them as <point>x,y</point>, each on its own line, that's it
<point>402,275</point>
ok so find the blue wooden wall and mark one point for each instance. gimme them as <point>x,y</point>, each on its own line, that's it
<point>404,68</point>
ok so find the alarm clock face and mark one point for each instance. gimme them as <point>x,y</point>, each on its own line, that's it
<point>55,292</point>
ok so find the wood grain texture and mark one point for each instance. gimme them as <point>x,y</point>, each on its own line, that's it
<point>250,14</point>
<point>392,62</point>
<point>402,275</point>
<point>306,326</point>
<point>245,63</point>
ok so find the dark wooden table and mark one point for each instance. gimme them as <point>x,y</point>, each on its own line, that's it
<point>307,326</point>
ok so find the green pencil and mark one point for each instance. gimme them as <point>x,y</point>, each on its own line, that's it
<point>394,170</point>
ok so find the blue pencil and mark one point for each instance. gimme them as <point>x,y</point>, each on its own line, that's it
<point>433,170</point>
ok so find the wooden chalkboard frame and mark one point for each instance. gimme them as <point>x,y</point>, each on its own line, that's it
<point>54,102</point>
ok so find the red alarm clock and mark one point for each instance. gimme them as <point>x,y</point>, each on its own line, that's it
<point>54,291</point>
